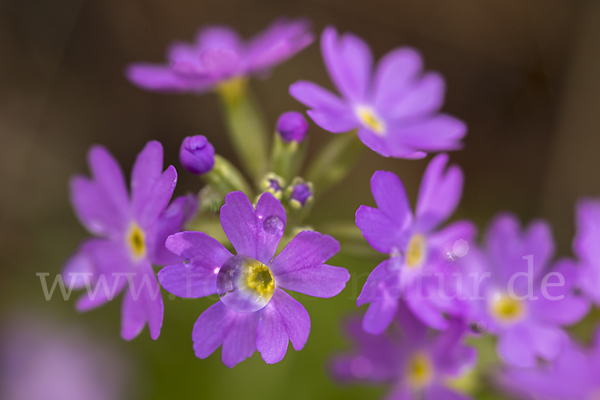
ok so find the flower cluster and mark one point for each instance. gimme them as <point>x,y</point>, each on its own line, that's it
<point>437,288</point>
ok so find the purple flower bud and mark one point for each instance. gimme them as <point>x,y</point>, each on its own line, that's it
<point>292,126</point>
<point>197,155</point>
<point>299,193</point>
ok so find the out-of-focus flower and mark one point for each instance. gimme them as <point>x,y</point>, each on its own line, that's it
<point>395,108</point>
<point>587,247</point>
<point>131,232</point>
<point>416,364</point>
<point>292,126</point>
<point>418,250</point>
<point>254,312</point>
<point>573,375</point>
<point>519,295</point>
<point>197,155</point>
<point>42,361</point>
<point>219,55</point>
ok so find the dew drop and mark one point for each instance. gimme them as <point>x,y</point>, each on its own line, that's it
<point>273,225</point>
<point>245,285</point>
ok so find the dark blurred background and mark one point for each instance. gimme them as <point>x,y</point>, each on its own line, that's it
<point>524,75</point>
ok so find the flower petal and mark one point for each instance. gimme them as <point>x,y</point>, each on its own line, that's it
<point>198,276</point>
<point>281,40</point>
<point>281,320</point>
<point>349,61</point>
<point>156,77</point>
<point>439,133</point>
<point>301,266</point>
<point>395,72</point>
<point>586,241</point>
<point>180,211</point>
<point>389,225</point>
<point>383,290</point>
<point>220,325</point>
<point>440,192</point>
<point>142,303</point>
<point>508,245</point>
<point>109,177</point>
<point>419,99</point>
<point>151,190</point>
<point>388,145</point>
<point>328,111</point>
<point>95,210</point>
<point>112,263</point>
<point>254,234</point>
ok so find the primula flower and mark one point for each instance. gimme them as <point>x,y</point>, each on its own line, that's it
<point>395,107</point>
<point>415,362</point>
<point>586,247</point>
<point>254,312</point>
<point>131,232</point>
<point>419,252</point>
<point>219,54</point>
<point>518,295</point>
<point>573,375</point>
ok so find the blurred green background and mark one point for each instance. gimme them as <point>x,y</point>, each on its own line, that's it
<point>524,75</point>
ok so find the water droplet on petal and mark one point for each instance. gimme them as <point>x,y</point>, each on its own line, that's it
<point>244,284</point>
<point>273,225</point>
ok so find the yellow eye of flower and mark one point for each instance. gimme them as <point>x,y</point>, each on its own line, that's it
<point>369,119</point>
<point>260,279</point>
<point>420,371</point>
<point>507,309</point>
<point>136,240</point>
<point>415,254</point>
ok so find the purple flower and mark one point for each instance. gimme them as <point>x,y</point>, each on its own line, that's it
<point>131,232</point>
<point>395,107</point>
<point>292,126</point>
<point>586,247</point>
<point>197,155</point>
<point>419,252</point>
<point>219,54</point>
<point>573,375</point>
<point>518,295</point>
<point>415,362</point>
<point>254,312</point>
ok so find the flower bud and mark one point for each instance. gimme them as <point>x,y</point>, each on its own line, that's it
<point>197,155</point>
<point>273,184</point>
<point>299,193</point>
<point>292,126</point>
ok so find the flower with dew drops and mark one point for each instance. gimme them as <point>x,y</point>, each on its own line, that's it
<point>394,107</point>
<point>417,247</point>
<point>254,312</point>
<point>131,232</point>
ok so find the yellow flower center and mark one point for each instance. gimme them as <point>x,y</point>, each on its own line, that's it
<point>260,279</point>
<point>420,371</point>
<point>415,254</point>
<point>136,240</point>
<point>370,120</point>
<point>507,309</point>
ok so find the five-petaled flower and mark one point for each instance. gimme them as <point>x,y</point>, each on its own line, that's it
<point>131,235</point>
<point>418,251</point>
<point>219,55</point>
<point>395,108</point>
<point>254,312</point>
<point>518,294</point>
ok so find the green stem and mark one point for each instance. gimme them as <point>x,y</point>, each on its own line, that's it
<point>335,161</point>
<point>287,157</point>
<point>226,178</point>
<point>245,126</point>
